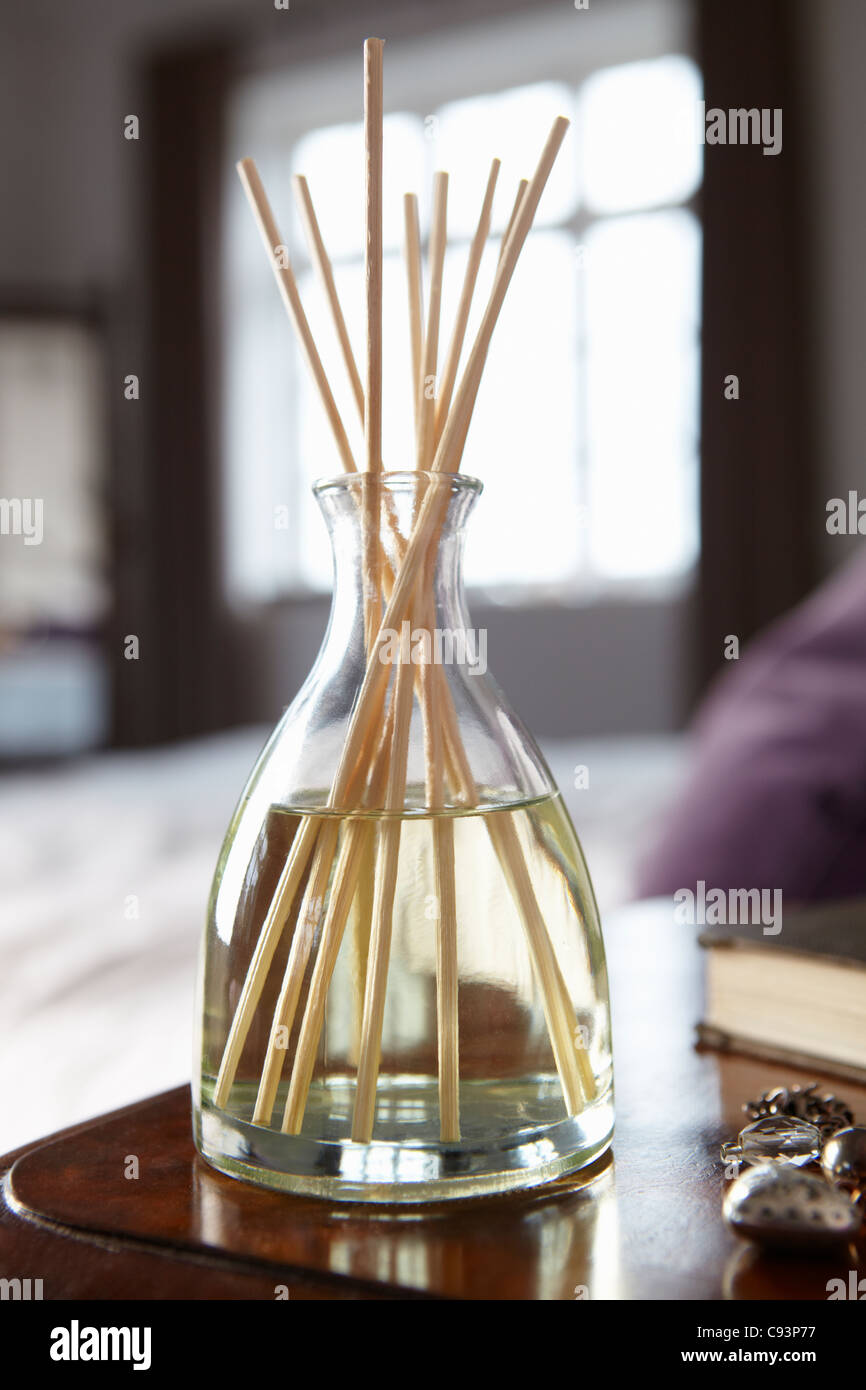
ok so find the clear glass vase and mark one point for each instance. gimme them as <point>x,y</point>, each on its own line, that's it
<point>403,993</point>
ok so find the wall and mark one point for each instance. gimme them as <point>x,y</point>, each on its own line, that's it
<point>601,669</point>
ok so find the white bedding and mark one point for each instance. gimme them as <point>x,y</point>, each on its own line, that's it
<point>96,1001</point>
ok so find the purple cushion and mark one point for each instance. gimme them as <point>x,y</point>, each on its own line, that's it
<point>776,797</point>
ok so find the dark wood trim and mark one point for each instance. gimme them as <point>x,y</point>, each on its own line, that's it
<point>757,452</point>
<point>168,537</point>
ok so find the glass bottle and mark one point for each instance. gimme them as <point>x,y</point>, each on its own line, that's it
<point>402,991</point>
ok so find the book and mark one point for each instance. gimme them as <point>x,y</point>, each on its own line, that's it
<point>798,997</point>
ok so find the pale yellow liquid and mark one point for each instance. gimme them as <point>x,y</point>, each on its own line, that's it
<point>508,1081</point>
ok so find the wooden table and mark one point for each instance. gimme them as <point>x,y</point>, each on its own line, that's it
<point>643,1224</point>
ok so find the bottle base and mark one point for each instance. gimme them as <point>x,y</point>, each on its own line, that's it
<point>415,1170</point>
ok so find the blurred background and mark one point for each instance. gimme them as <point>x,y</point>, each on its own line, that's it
<point>636,512</point>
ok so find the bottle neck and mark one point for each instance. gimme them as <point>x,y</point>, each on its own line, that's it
<point>370,523</point>
<point>355,726</point>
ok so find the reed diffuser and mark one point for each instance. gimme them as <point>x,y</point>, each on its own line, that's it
<point>403,993</point>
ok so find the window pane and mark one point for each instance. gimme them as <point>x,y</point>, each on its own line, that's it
<point>333,161</point>
<point>260,449</point>
<point>513,126</point>
<point>642,393</point>
<point>523,438</point>
<point>639,145</point>
<point>642,278</point>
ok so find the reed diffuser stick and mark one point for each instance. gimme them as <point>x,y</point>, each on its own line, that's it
<point>308,920</point>
<point>325,269</point>
<point>373,119</point>
<point>279,259</point>
<point>447,973</point>
<point>427,383</point>
<point>388,848</point>
<point>443,835</point>
<point>388,852</point>
<point>269,936</point>
<point>455,347</point>
<point>322,262</point>
<point>521,189</point>
<point>451,444</point>
<point>363,915</point>
<point>573,1065</point>
<point>572,1062</point>
<point>346,870</point>
<point>306,925</point>
<point>416,296</point>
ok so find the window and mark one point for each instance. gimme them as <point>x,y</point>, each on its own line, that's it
<point>588,407</point>
<point>53,535</point>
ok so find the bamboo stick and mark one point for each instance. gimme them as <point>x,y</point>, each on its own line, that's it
<point>424,359</point>
<point>278,256</point>
<point>521,189</point>
<point>322,262</point>
<point>271,931</point>
<point>573,1065</point>
<point>434,689</point>
<point>355,849</point>
<point>373,118</point>
<point>450,445</point>
<point>302,940</point>
<point>293,977</point>
<point>371,597</point>
<point>362,929</point>
<point>385,880</point>
<point>442,832</point>
<point>447,979</point>
<point>447,971</point>
<point>443,839</point>
<point>455,347</point>
<point>416,297</point>
<point>373,1004</point>
<point>345,879</point>
<point>427,383</point>
<point>264,217</point>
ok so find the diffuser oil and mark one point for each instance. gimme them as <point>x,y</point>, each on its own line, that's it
<point>514,1129</point>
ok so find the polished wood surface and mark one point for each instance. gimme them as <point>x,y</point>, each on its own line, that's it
<point>643,1223</point>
